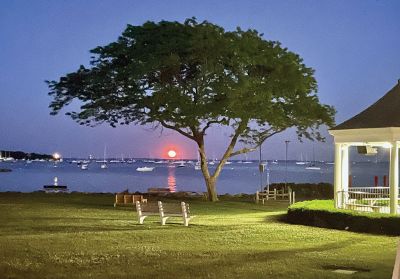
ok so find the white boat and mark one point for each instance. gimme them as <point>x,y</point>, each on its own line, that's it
<point>84,166</point>
<point>246,161</point>
<point>104,162</point>
<point>301,162</point>
<point>123,161</point>
<point>6,158</point>
<point>312,165</point>
<point>197,165</point>
<point>144,169</point>
<point>228,163</point>
<point>181,165</point>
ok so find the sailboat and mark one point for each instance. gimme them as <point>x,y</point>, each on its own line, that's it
<point>104,163</point>
<point>8,158</point>
<point>312,165</point>
<point>301,162</point>
<point>246,160</point>
<point>197,166</point>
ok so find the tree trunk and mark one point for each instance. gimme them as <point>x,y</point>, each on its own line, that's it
<point>211,190</point>
<point>211,179</point>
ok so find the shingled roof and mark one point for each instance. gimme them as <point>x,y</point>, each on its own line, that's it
<point>382,114</point>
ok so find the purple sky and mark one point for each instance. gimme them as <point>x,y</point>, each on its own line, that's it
<point>352,45</point>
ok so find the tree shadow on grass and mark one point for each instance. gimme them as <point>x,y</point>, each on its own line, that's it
<point>231,263</point>
<point>277,218</point>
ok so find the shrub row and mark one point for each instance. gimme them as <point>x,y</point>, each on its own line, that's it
<point>308,191</point>
<point>321,213</point>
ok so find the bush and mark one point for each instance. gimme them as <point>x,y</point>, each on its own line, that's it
<point>308,191</point>
<point>322,213</point>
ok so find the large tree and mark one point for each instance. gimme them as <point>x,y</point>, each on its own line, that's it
<point>190,76</point>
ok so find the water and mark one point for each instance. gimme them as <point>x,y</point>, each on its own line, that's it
<point>235,178</point>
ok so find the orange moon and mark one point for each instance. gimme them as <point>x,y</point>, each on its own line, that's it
<point>171,153</point>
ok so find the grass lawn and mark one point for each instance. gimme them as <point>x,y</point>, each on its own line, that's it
<point>83,236</point>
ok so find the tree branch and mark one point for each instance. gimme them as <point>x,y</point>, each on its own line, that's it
<point>209,123</point>
<point>164,124</point>
<point>244,150</point>
<point>242,126</point>
<point>250,149</point>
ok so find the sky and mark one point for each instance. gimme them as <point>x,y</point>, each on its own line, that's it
<point>352,45</point>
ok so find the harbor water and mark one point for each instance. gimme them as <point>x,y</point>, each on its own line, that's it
<point>236,177</point>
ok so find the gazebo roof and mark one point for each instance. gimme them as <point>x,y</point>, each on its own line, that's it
<point>382,114</point>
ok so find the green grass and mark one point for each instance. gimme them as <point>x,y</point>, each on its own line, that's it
<point>83,236</point>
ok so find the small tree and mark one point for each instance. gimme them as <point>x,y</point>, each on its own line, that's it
<point>188,77</point>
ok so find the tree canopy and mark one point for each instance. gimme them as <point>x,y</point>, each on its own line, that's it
<point>189,76</point>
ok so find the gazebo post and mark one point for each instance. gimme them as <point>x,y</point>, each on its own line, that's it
<point>345,173</point>
<point>345,167</point>
<point>394,177</point>
<point>338,175</point>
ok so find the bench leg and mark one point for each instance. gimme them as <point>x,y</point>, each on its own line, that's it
<point>141,219</point>
<point>186,221</point>
<point>164,220</point>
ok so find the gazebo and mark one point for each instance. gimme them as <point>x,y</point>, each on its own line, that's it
<point>376,126</point>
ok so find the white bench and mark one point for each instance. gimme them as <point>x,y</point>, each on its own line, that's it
<point>145,210</point>
<point>171,210</point>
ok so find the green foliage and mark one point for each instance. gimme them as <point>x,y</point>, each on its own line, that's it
<point>82,236</point>
<point>191,75</point>
<point>308,191</point>
<point>322,213</point>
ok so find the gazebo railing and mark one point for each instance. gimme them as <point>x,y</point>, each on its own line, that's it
<point>371,200</point>
<point>376,190</point>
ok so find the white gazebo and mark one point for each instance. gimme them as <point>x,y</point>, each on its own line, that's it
<point>376,126</point>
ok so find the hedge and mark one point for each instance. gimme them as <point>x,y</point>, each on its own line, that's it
<point>322,213</point>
